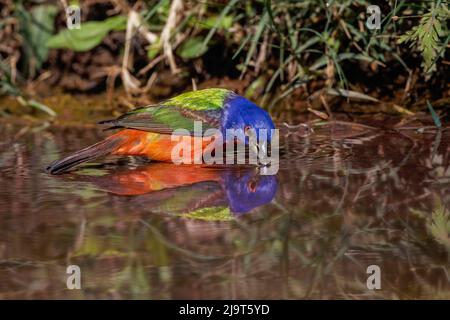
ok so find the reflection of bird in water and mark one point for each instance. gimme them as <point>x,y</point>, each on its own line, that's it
<point>184,189</point>
<point>249,190</point>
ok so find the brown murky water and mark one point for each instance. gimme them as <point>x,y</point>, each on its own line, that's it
<point>340,202</point>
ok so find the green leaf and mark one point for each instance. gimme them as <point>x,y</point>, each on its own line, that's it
<point>36,27</point>
<point>258,83</point>
<point>218,21</point>
<point>439,224</point>
<point>37,105</point>
<point>44,15</point>
<point>426,36</point>
<point>154,49</point>
<point>222,23</point>
<point>259,31</point>
<point>88,36</point>
<point>434,115</point>
<point>192,48</point>
<point>351,94</point>
<point>42,107</point>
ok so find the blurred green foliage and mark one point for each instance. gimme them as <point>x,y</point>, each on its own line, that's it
<point>427,34</point>
<point>89,36</point>
<point>276,45</point>
<point>36,26</point>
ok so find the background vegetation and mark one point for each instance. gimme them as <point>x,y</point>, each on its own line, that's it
<point>302,53</point>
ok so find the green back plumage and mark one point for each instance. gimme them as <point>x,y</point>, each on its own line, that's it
<point>176,113</point>
<point>200,100</point>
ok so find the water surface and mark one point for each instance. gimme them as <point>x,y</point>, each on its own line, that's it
<point>341,201</point>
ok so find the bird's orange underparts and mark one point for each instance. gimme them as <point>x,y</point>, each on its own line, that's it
<point>158,146</point>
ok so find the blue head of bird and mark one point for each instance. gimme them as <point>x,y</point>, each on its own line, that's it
<point>246,190</point>
<point>252,125</point>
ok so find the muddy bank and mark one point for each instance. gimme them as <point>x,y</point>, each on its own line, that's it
<point>82,108</point>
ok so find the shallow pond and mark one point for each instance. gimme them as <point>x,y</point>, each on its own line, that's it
<point>341,201</point>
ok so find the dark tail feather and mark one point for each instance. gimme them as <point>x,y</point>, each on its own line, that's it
<point>110,125</point>
<point>90,153</point>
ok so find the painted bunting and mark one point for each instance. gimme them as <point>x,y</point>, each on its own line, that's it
<point>147,131</point>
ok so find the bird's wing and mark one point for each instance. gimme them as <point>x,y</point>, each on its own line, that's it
<point>180,112</point>
<point>166,119</point>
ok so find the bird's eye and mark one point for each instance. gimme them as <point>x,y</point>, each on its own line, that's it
<point>247,129</point>
<point>251,186</point>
